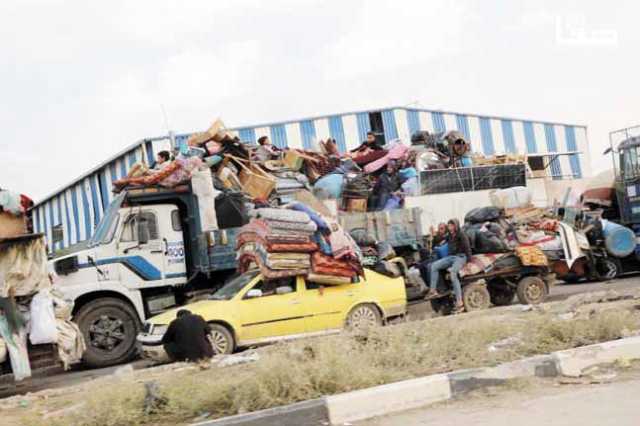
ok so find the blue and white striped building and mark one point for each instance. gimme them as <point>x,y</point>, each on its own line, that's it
<point>71,213</point>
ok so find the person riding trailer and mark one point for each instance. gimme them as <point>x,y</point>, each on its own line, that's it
<point>459,254</point>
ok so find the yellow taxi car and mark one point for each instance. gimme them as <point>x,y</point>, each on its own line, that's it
<point>250,311</point>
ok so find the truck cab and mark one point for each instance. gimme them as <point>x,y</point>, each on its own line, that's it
<point>628,180</point>
<point>147,254</point>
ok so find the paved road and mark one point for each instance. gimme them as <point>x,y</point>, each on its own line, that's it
<point>560,291</point>
<point>574,405</point>
<point>416,311</point>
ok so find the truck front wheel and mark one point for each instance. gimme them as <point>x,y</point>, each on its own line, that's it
<point>109,326</point>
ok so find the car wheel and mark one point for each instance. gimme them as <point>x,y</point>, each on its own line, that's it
<point>221,340</point>
<point>363,317</point>
<point>109,327</point>
<point>531,290</point>
<point>608,268</point>
<point>476,297</point>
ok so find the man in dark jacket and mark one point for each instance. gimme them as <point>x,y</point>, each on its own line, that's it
<point>459,254</point>
<point>187,339</point>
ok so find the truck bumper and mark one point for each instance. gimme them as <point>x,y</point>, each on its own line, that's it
<point>150,347</point>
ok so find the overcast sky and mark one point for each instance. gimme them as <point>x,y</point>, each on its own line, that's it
<point>81,80</point>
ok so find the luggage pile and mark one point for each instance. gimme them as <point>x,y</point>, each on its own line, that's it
<point>296,240</point>
<point>34,316</point>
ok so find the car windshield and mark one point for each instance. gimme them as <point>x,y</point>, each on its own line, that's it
<point>229,290</point>
<point>107,226</point>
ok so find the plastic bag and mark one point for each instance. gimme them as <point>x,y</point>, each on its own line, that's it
<point>483,214</point>
<point>511,198</point>
<point>42,328</point>
<point>3,351</point>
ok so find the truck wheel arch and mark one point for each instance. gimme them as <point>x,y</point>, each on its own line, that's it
<point>90,296</point>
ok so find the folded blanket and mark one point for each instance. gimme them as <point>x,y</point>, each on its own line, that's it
<point>283,215</point>
<point>480,263</point>
<point>323,264</point>
<point>308,227</point>
<point>327,279</point>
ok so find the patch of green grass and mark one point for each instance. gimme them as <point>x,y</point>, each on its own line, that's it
<point>312,368</point>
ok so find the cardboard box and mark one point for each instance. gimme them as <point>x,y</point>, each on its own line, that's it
<point>12,226</point>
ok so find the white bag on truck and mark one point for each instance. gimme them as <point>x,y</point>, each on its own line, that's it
<point>511,198</point>
<point>3,351</point>
<point>43,327</point>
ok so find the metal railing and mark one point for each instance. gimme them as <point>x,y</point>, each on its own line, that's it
<point>478,178</point>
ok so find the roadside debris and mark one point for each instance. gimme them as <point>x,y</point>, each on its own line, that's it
<point>236,359</point>
<point>153,399</point>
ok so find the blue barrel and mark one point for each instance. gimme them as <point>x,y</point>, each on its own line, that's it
<point>619,240</point>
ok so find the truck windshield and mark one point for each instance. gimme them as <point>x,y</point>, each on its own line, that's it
<point>233,287</point>
<point>107,226</point>
<point>631,162</point>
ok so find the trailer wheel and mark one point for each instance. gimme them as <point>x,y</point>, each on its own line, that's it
<point>109,326</point>
<point>608,268</point>
<point>501,296</point>
<point>531,290</point>
<point>476,297</point>
<point>442,305</point>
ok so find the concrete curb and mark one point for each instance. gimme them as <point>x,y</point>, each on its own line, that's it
<point>400,396</point>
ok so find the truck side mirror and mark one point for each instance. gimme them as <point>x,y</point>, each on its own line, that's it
<point>143,231</point>
<point>253,293</point>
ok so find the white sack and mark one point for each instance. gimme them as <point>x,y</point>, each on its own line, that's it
<point>202,184</point>
<point>3,351</point>
<point>42,328</point>
<point>511,198</point>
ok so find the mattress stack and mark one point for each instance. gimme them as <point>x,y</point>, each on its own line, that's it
<point>296,240</point>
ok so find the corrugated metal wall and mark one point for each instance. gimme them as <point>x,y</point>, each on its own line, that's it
<point>78,208</point>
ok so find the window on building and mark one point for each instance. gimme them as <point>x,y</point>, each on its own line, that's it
<point>57,234</point>
<point>377,126</point>
<point>130,231</point>
<point>536,163</point>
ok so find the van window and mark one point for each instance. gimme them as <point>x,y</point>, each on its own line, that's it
<point>130,231</point>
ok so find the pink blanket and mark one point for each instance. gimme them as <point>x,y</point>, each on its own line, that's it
<point>396,152</point>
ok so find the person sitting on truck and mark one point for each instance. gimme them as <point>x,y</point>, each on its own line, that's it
<point>162,159</point>
<point>459,254</point>
<point>266,150</point>
<point>439,239</point>
<point>187,338</point>
<point>387,185</point>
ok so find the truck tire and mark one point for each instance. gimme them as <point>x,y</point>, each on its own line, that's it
<point>109,326</point>
<point>531,290</point>
<point>221,340</point>
<point>476,297</point>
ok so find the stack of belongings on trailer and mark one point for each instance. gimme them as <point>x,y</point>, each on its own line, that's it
<point>442,150</point>
<point>30,308</point>
<point>495,236</point>
<point>297,240</point>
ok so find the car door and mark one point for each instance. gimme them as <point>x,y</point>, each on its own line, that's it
<point>175,270</point>
<point>273,314</point>
<point>141,263</point>
<point>328,305</point>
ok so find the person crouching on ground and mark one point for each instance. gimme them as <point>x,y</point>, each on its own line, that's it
<point>459,254</point>
<point>187,338</point>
